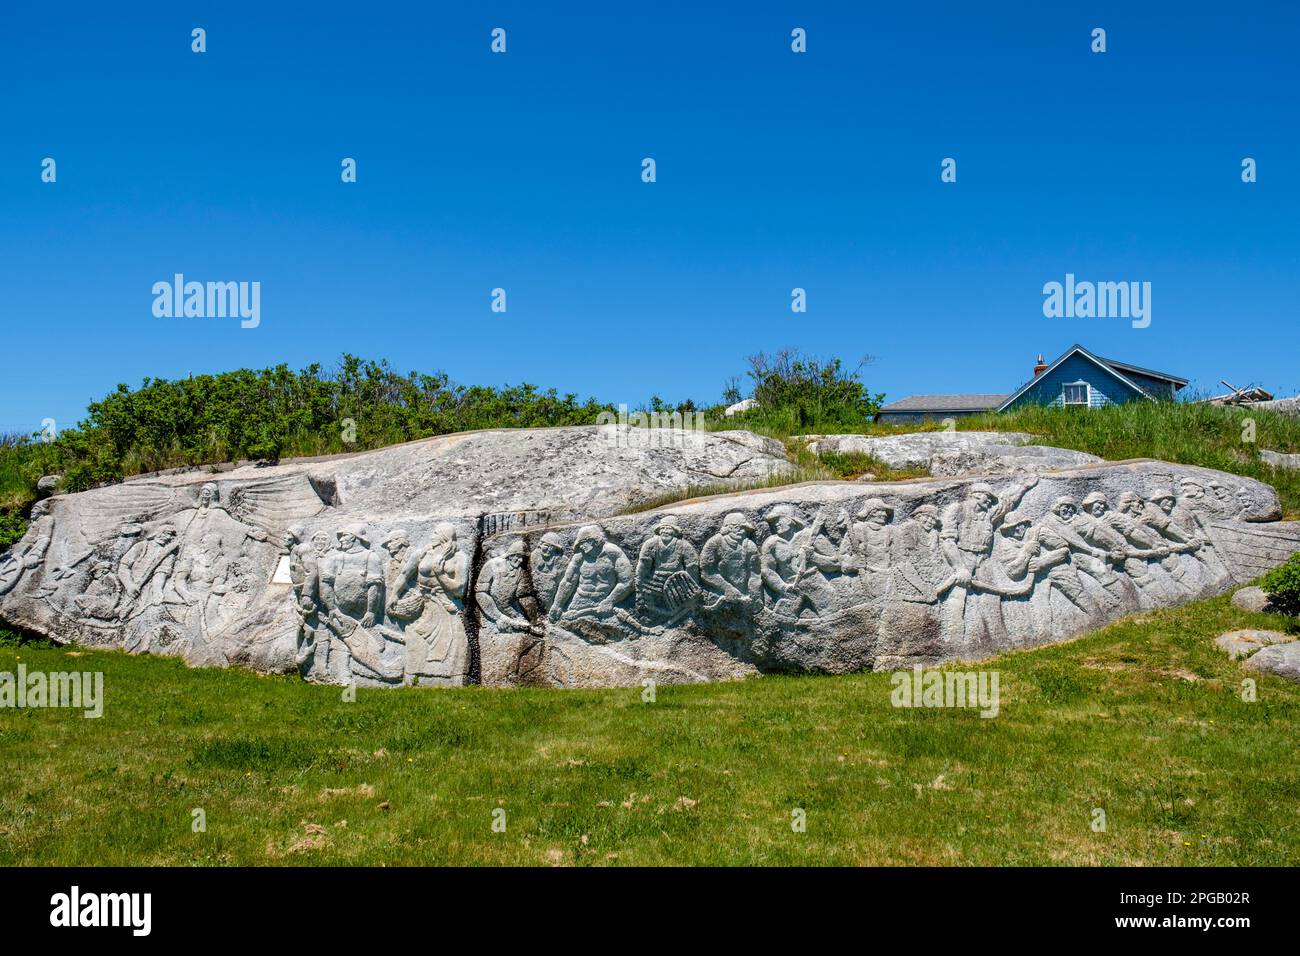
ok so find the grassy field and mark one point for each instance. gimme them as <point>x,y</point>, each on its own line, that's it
<point>1144,720</point>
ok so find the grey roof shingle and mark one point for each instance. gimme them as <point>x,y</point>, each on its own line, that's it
<point>944,403</point>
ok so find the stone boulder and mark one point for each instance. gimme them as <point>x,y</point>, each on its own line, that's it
<point>507,558</point>
<point>289,566</point>
<point>1243,643</point>
<point>835,577</point>
<point>914,449</point>
<point>1280,660</point>
<point>1251,599</point>
<point>993,459</point>
<point>1279,459</point>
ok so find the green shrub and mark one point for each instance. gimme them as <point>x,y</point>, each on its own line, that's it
<point>1282,585</point>
<point>12,528</point>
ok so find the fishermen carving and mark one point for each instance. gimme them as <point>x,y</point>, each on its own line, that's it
<point>667,573</point>
<point>598,578</point>
<point>500,589</point>
<point>729,566</point>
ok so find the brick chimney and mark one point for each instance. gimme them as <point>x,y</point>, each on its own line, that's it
<point>1041,367</point>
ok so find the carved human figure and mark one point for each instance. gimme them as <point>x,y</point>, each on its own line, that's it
<point>352,584</point>
<point>304,579</point>
<point>321,655</point>
<point>103,592</point>
<point>499,589</point>
<point>1192,513</point>
<point>210,517</point>
<point>598,577</point>
<point>1057,534</point>
<point>547,565</point>
<point>729,566</point>
<point>1182,544</point>
<point>828,550</point>
<point>967,537</point>
<point>30,552</point>
<point>403,601</point>
<point>1094,526</point>
<point>667,571</point>
<point>783,562</point>
<point>871,548</point>
<point>1145,546</point>
<point>437,645</point>
<point>919,576</point>
<point>147,568</point>
<point>202,581</point>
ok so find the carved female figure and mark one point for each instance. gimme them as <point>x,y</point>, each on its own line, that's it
<point>437,646</point>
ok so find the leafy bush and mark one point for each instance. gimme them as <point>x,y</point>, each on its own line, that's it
<point>271,413</point>
<point>800,394</point>
<point>1282,585</point>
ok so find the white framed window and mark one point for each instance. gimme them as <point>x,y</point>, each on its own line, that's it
<point>1076,393</point>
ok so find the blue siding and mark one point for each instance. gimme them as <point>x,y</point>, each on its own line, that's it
<point>1106,388</point>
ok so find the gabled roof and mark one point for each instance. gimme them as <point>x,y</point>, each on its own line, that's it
<point>944,403</point>
<point>1111,367</point>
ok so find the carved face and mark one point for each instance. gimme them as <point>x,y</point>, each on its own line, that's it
<point>321,542</point>
<point>1065,512</point>
<point>1166,505</point>
<point>166,536</point>
<point>927,521</point>
<point>1194,492</point>
<point>1097,508</point>
<point>1017,531</point>
<point>397,547</point>
<point>346,541</point>
<point>549,551</point>
<point>984,501</point>
<point>590,547</point>
<point>734,534</point>
<point>668,532</point>
<point>515,559</point>
<point>783,526</point>
<point>206,494</point>
<point>878,517</point>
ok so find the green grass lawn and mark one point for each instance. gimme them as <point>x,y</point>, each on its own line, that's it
<point>1144,720</point>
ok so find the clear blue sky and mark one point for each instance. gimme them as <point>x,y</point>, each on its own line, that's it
<point>522,170</point>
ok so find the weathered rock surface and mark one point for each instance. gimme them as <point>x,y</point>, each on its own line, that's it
<point>199,565</point>
<point>1251,599</point>
<point>1243,643</point>
<point>833,577</point>
<point>1280,660</point>
<point>914,449</point>
<point>1283,406</point>
<point>500,557</point>
<point>1279,459</point>
<point>994,459</point>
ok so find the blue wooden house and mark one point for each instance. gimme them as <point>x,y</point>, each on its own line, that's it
<point>1076,379</point>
